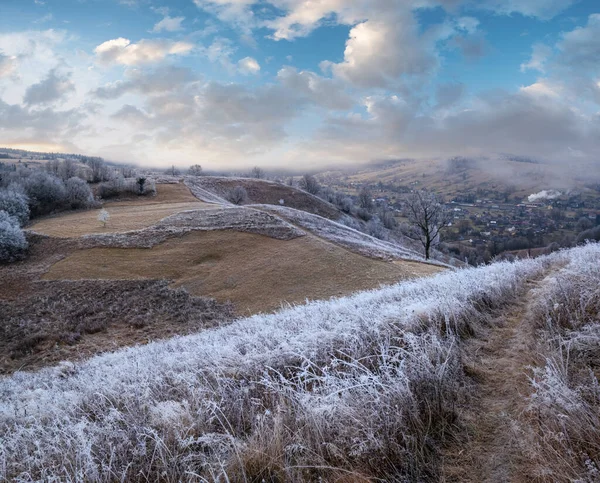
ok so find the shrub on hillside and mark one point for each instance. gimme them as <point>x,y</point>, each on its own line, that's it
<point>123,186</point>
<point>79,194</point>
<point>238,195</point>
<point>46,193</point>
<point>12,239</point>
<point>16,203</point>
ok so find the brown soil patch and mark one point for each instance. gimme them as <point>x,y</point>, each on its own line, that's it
<point>499,440</point>
<point>63,320</point>
<point>125,215</point>
<point>255,272</point>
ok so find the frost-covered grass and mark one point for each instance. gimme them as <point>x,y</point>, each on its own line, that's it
<point>354,388</point>
<point>566,397</point>
<point>344,235</point>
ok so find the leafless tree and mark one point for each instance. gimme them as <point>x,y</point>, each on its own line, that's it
<point>310,184</point>
<point>365,198</point>
<point>428,216</point>
<point>257,173</point>
<point>195,170</point>
<point>173,171</point>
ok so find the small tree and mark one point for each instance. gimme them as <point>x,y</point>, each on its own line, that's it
<point>14,202</point>
<point>141,181</point>
<point>173,171</point>
<point>257,173</point>
<point>103,217</point>
<point>310,184</point>
<point>67,169</point>
<point>365,198</point>
<point>46,192</point>
<point>238,195</point>
<point>428,216</point>
<point>79,194</point>
<point>195,170</point>
<point>12,239</point>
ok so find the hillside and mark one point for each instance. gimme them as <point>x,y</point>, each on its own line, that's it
<point>412,382</point>
<point>184,263</point>
<point>502,175</point>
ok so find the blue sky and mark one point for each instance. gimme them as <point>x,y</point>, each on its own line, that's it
<point>231,83</point>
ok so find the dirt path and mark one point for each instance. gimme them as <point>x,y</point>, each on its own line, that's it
<point>499,362</point>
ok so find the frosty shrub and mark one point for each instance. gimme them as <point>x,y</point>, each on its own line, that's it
<point>238,195</point>
<point>103,217</point>
<point>79,194</point>
<point>566,391</point>
<point>46,193</point>
<point>12,240</point>
<point>15,202</point>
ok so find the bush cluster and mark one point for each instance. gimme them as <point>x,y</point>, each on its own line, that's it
<point>13,243</point>
<point>126,186</point>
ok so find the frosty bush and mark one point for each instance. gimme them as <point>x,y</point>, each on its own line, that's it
<point>46,193</point>
<point>79,194</point>
<point>15,202</point>
<point>12,240</point>
<point>238,195</point>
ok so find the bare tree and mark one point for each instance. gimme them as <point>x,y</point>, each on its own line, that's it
<point>195,170</point>
<point>257,173</point>
<point>365,198</point>
<point>173,171</point>
<point>428,216</point>
<point>310,184</point>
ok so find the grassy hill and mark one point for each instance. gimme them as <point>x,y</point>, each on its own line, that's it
<point>209,259</point>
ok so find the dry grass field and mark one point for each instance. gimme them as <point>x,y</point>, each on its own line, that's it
<point>125,216</point>
<point>255,272</point>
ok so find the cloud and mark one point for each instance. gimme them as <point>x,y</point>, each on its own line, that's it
<point>580,48</point>
<point>543,9</point>
<point>169,24</point>
<point>8,65</point>
<point>147,81</point>
<point>381,50</point>
<point>449,94</point>
<point>236,12</point>
<point>122,51</point>
<point>53,88</point>
<point>539,56</point>
<point>322,92</point>
<point>248,65</point>
<point>46,18</point>
<point>156,81</point>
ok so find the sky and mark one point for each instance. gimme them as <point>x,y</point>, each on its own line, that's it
<point>301,84</point>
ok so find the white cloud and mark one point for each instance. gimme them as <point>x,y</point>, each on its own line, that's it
<point>122,51</point>
<point>169,24</point>
<point>381,50</point>
<point>544,9</point>
<point>539,56</point>
<point>580,48</point>
<point>51,89</point>
<point>248,65</point>
<point>323,92</point>
<point>8,65</point>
